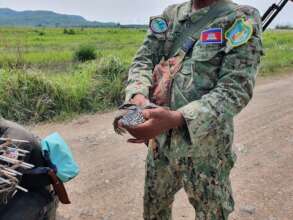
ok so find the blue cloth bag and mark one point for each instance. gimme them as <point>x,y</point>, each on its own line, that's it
<point>60,156</point>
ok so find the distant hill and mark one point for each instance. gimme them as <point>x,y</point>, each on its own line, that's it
<point>10,17</point>
<point>284,27</point>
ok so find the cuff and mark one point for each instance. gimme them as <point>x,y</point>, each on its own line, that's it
<point>134,90</point>
<point>196,116</point>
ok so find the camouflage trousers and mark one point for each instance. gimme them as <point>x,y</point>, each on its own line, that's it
<point>205,180</point>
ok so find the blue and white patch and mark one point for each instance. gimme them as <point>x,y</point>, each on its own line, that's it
<point>158,25</point>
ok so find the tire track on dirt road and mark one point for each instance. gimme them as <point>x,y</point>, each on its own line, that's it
<point>110,186</point>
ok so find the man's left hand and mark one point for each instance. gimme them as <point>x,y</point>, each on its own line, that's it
<point>158,120</point>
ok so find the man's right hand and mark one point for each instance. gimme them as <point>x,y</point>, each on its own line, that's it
<point>139,100</point>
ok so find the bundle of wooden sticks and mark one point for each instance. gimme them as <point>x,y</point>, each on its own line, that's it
<point>12,166</point>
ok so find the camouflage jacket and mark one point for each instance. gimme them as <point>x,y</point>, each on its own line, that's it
<point>216,80</point>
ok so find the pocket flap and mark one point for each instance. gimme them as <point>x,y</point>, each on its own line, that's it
<point>206,52</point>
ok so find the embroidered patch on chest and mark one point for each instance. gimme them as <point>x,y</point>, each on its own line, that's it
<point>212,36</point>
<point>239,33</point>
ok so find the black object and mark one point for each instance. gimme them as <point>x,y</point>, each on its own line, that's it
<point>35,205</point>
<point>272,12</point>
<point>39,203</point>
<point>10,129</point>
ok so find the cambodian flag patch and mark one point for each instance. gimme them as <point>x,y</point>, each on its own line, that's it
<point>212,36</point>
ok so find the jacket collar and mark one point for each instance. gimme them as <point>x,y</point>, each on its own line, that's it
<point>184,11</point>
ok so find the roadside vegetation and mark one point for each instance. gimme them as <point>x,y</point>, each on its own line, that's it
<point>33,96</point>
<point>52,73</point>
<point>278,52</point>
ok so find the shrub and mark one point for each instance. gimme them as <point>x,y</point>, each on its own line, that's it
<point>69,31</point>
<point>41,33</point>
<point>85,53</point>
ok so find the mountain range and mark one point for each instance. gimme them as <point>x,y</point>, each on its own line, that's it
<point>9,17</point>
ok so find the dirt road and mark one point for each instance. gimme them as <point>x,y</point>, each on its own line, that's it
<point>110,186</point>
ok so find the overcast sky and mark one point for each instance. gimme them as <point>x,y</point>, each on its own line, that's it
<point>123,11</point>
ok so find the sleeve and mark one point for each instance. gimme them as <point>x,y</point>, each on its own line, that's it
<point>234,88</point>
<point>149,54</point>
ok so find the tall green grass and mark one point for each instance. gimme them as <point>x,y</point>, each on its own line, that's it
<point>278,57</point>
<point>33,97</point>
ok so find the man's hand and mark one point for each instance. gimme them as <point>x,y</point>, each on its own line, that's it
<point>158,120</point>
<point>139,100</point>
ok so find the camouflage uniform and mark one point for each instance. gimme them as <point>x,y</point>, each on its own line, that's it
<point>214,84</point>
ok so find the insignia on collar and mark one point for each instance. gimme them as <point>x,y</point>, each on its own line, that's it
<point>239,33</point>
<point>212,36</point>
<point>158,25</point>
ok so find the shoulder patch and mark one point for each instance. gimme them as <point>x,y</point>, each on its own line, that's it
<point>158,25</point>
<point>240,32</point>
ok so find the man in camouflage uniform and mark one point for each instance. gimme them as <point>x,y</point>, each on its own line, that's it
<point>194,131</point>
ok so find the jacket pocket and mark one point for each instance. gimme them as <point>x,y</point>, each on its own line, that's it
<point>207,61</point>
<point>199,73</point>
<point>203,53</point>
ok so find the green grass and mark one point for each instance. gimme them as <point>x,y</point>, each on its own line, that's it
<point>278,52</point>
<point>25,45</point>
<point>40,79</point>
<point>33,97</point>
<point>52,48</point>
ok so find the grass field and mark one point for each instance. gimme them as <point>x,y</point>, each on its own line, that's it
<point>40,80</point>
<point>278,52</point>
<point>49,47</point>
